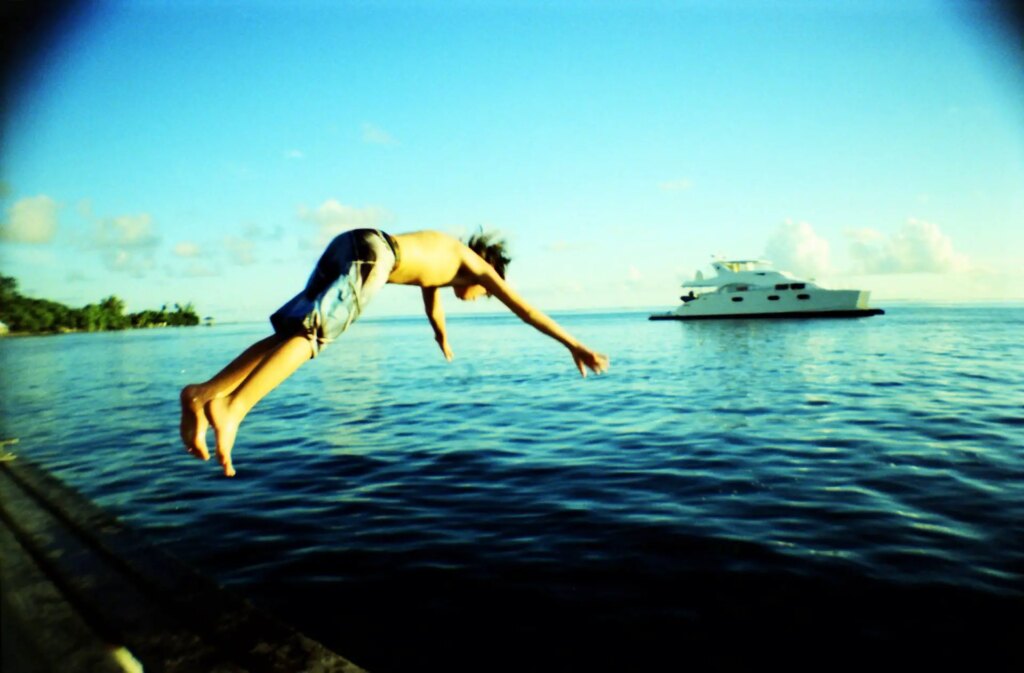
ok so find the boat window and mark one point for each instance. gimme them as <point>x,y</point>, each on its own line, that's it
<point>737,298</point>
<point>773,297</point>
<point>742,288</point>
<point>803,296</point>
<point>798,286</point>
<point>782,286</point>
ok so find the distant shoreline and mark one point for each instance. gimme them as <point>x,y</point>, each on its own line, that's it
<point>33,316</point>
<point>66,330</point>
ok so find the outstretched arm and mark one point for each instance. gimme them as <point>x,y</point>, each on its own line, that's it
<point>581,355</point>
<point>435,314</point>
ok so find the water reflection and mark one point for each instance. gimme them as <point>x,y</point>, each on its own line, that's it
<point>812,448</point>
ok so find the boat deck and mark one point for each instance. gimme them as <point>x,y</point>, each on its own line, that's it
<point>83,592</point>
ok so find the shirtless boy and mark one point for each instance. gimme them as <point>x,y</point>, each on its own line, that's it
<point>353,267</point>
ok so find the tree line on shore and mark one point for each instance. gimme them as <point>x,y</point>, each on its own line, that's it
<point>27,314</point>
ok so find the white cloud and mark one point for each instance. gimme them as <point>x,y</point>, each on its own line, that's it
<point>199,270</point>
<point>796,247</point>
<point>257,232</point>
<point>127,243</point>
<point>633,275</point>
<point>919,247</point>
<point>32,220</point>
<point>295,154</point>
<point>130,262</point>
<point>128,232</point>
<point>240,250</point>
<point>186,249</point>
<point>332,217</point>
<point>678,185</point>
<point>563,246</point>
<point>374,135</point>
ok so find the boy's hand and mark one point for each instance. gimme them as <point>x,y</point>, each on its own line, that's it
<point>588,359</point>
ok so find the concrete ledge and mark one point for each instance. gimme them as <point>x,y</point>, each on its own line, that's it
<point>83,592</point>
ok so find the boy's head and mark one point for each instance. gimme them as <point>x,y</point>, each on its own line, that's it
<point>492,248</point>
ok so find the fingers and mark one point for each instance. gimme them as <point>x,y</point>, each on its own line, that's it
<point>586,359</point>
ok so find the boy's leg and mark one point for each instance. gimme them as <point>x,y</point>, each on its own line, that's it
<point>225,412</point>
<point>194,396</point>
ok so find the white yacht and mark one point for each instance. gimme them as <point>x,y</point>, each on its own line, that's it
<point>753,289</point>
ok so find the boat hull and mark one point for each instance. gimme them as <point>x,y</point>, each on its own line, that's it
<point>841,313</point>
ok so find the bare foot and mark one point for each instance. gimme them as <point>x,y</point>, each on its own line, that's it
<point>193,422</point>
<point>225,428</point>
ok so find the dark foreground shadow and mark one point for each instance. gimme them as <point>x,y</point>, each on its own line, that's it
<point>628,615</point>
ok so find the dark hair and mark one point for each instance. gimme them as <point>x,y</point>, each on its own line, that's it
<point>492,248</point>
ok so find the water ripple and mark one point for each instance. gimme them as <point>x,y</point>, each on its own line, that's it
<point>861,461</point>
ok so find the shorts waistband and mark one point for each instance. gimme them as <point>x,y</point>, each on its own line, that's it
<point>394,247</point>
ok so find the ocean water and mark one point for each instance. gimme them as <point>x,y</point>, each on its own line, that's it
<point>730,493</point>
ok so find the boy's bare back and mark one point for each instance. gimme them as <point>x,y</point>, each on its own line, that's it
<point>434,259</point>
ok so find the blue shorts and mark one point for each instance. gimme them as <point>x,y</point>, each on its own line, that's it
<point>354,266</point>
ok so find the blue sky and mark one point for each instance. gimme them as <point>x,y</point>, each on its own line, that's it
<point>204,152</point>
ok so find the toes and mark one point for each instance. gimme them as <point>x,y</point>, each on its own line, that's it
<point>229,469</point>
<point>200,443</point>
<point>193,424</point>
